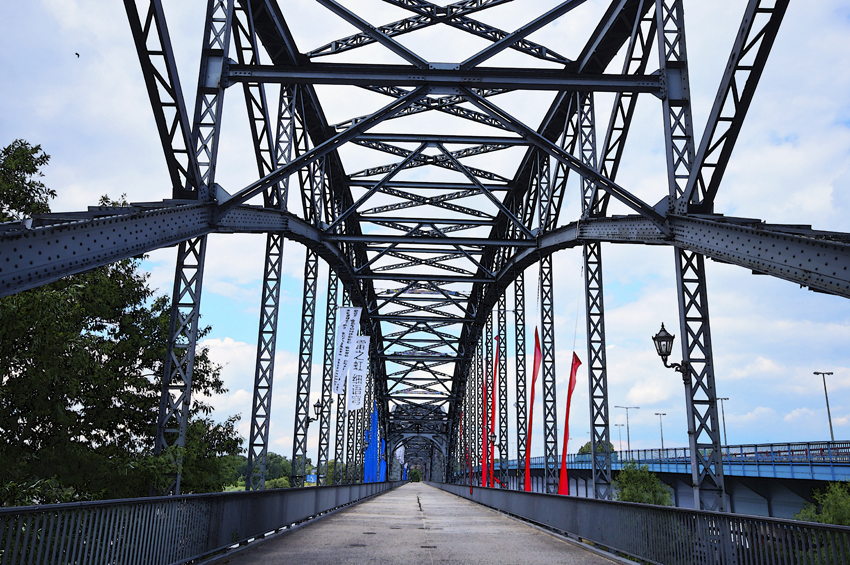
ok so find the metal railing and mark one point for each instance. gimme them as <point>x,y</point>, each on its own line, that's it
<point>162,530</point>
<point>672,536</point>
<point>828,460</point>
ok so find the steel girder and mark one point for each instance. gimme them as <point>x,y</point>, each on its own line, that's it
<point>597,366</point>
<point>436,256</point>
<point>521,388</point>
<point>502,330</point>
<point>482,78</point>
<point>327,382</point>
<point>175,402</point>
<point>697,362</point>
<point>305,366</point>
<point>258,442</point>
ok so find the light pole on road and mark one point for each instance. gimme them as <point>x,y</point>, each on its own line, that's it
<point>828,415</point>
<point>661,424</point>
<point>723,412</point>
<point>628,435</point>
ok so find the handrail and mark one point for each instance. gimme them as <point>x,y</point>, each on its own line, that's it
<point>165,530</point>
<point>824,452</point>
<point>673,536</point>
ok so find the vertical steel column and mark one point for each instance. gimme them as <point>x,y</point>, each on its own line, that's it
<point>700,390</point>
<point>305,365</point>
<point>489,376</point>
<point>697,362</point>
<point>350,457</point>
<point>503,389</point>
<point>261,409</point>
<point>179,365</point>
<point>327,381</point>
<point>547,345</point>
<point>679,129</point>
<point>547,334</point>
<point>521,389</point>
<point>339,440</point>
<point>340,451</point>
<point>209,101</point>
<point>275,197</point>
<point>595,313</point>
<point>175,402</point>
<point>480,412</point>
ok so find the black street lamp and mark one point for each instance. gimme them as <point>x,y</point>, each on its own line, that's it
<point>664,346</point>
<point>317,408</point>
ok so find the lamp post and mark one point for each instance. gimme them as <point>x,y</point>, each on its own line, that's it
<point>828,415</point>
<point>620,433</point>
<point>723,413</point>
<point>661,424</point>
<point>628,435</point>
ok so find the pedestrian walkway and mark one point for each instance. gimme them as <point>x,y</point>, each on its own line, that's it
<point>418,524</point>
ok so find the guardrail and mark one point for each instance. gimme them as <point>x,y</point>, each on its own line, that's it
<point>672,536</point>
<point>162,530</point>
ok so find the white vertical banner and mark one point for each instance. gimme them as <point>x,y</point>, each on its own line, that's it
<point>348,319</point>
<point>357,374</point>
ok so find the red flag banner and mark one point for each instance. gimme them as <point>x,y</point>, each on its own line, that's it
<point>493,414</point>
<point>564,481</point>
<point>538,358</point>
<point>484,465</point>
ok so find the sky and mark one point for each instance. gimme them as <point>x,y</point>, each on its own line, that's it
<point>790,166</point>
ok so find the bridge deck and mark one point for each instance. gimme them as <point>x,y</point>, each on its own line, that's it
<point>416,523</point>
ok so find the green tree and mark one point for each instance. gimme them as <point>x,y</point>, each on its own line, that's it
<point>637,484</point>
<point>80,373</point>
<point>832,505</point>
<point>277,466</point>
<point>21,195</point>
<point>415,475</point>
<point>599,448</point>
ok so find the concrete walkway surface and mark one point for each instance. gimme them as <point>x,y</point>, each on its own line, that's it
<point>416,523</point>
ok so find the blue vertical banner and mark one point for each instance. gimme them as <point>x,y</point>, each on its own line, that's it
<point>372,458</point>
<point>382,474</point>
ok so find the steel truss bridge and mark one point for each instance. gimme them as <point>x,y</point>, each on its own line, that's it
<point>430,243</point>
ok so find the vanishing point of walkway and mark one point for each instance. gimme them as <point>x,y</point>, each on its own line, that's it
<point>418,524</point>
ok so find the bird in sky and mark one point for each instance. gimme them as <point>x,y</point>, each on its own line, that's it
<point>77,54</point>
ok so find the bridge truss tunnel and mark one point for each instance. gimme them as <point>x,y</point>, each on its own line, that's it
<point>461,203</point>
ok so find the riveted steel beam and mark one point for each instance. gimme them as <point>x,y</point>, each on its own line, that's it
<point>405,76</point>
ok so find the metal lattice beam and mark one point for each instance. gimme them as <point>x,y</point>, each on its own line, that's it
<point>305,366</point>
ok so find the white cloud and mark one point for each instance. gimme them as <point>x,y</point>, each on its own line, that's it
<point>798,415</point>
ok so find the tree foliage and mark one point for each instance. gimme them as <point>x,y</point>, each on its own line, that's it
<point>80,376</point>
<point>600,447</point>
<point>832,505</point>
<point>21,194</point>
<point>415,475</point>
<point>637,484</point>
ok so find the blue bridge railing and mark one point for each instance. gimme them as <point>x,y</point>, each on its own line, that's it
<point>824,461</point>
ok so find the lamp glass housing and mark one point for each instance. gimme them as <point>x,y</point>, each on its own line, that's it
<point>663,342</point>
